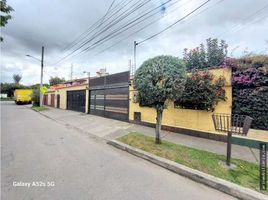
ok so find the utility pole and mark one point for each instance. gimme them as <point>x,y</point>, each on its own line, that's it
<point>41,83</point>
<point>71,71</point>
<point>135,44</point>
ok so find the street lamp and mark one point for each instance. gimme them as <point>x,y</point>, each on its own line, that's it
<point>34,58</point>
<point>42,66</point>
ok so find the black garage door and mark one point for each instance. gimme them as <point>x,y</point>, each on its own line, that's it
<point>76,100</point>
<point>109,96</point>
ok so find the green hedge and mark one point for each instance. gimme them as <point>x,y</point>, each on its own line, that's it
<point>252,102</point>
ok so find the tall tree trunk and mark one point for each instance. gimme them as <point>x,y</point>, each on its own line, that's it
<point>158,126</point>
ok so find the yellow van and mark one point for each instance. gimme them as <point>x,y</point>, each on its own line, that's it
<point>23,96</point>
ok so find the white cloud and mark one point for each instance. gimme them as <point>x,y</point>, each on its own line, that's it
<point>33,26</point>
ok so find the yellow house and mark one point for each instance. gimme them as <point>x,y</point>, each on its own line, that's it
<point>182,119</point>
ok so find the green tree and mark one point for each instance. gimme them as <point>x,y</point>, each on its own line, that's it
<point>6,9</point>
<point>17,78</point>
<point>159,80</point>
<point>8,88</point>
<point>56,80</point>
<point>214,54</point>
<point>38,85</point>
<point>202,56</point>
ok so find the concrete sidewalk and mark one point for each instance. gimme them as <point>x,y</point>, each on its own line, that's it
<point>106,129</point>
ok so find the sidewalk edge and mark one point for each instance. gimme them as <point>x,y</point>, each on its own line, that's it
<point>206,179</point>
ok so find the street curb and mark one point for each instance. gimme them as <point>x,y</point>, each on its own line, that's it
<point>206,179</point>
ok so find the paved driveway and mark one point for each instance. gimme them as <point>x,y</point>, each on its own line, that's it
<point>38,149</point>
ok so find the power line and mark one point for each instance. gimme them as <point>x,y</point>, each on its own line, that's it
<point>237,25</point>
<point>89,30</point>
<point>111,23</point>
<point>115,21</point>
<point>71,43</point>
<point>125,27</point>
<point>204,10</point>
<point>168,27</point>
<point>151,23</point>
<point>106,14</point>
<point>142,28</point>
<point>191,18</point>
<point>105,29</point>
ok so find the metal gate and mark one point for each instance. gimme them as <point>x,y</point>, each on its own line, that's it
<point>45,99</point>
<point>76,100</point>
<point>52,100</point>
<point>109,96</point>
<point>58,101</point>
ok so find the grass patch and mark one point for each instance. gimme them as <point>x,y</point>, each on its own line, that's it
<point>39,109</point>
<point>245,174</point>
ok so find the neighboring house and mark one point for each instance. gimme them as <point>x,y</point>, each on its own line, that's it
<point>70,95</point>
<point>104,95</point>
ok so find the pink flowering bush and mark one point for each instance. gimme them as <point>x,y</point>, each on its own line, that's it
<point>250,89</point>
<point>200,92</point>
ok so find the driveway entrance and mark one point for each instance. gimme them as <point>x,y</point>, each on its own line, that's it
<point>76,100</point>
<point>109,96</point>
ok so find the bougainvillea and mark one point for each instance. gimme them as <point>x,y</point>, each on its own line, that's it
<point>250,77</point>
<point>200,92</point>
<point>250,89</point>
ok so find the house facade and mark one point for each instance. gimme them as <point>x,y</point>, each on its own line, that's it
<point>113,96</point>
<point>71,95</point>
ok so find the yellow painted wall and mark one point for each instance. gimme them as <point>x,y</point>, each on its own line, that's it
<point>63,95</point>
<point>187,118</point>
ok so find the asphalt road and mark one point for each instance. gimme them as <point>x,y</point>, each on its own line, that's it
<point>52,161</point>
